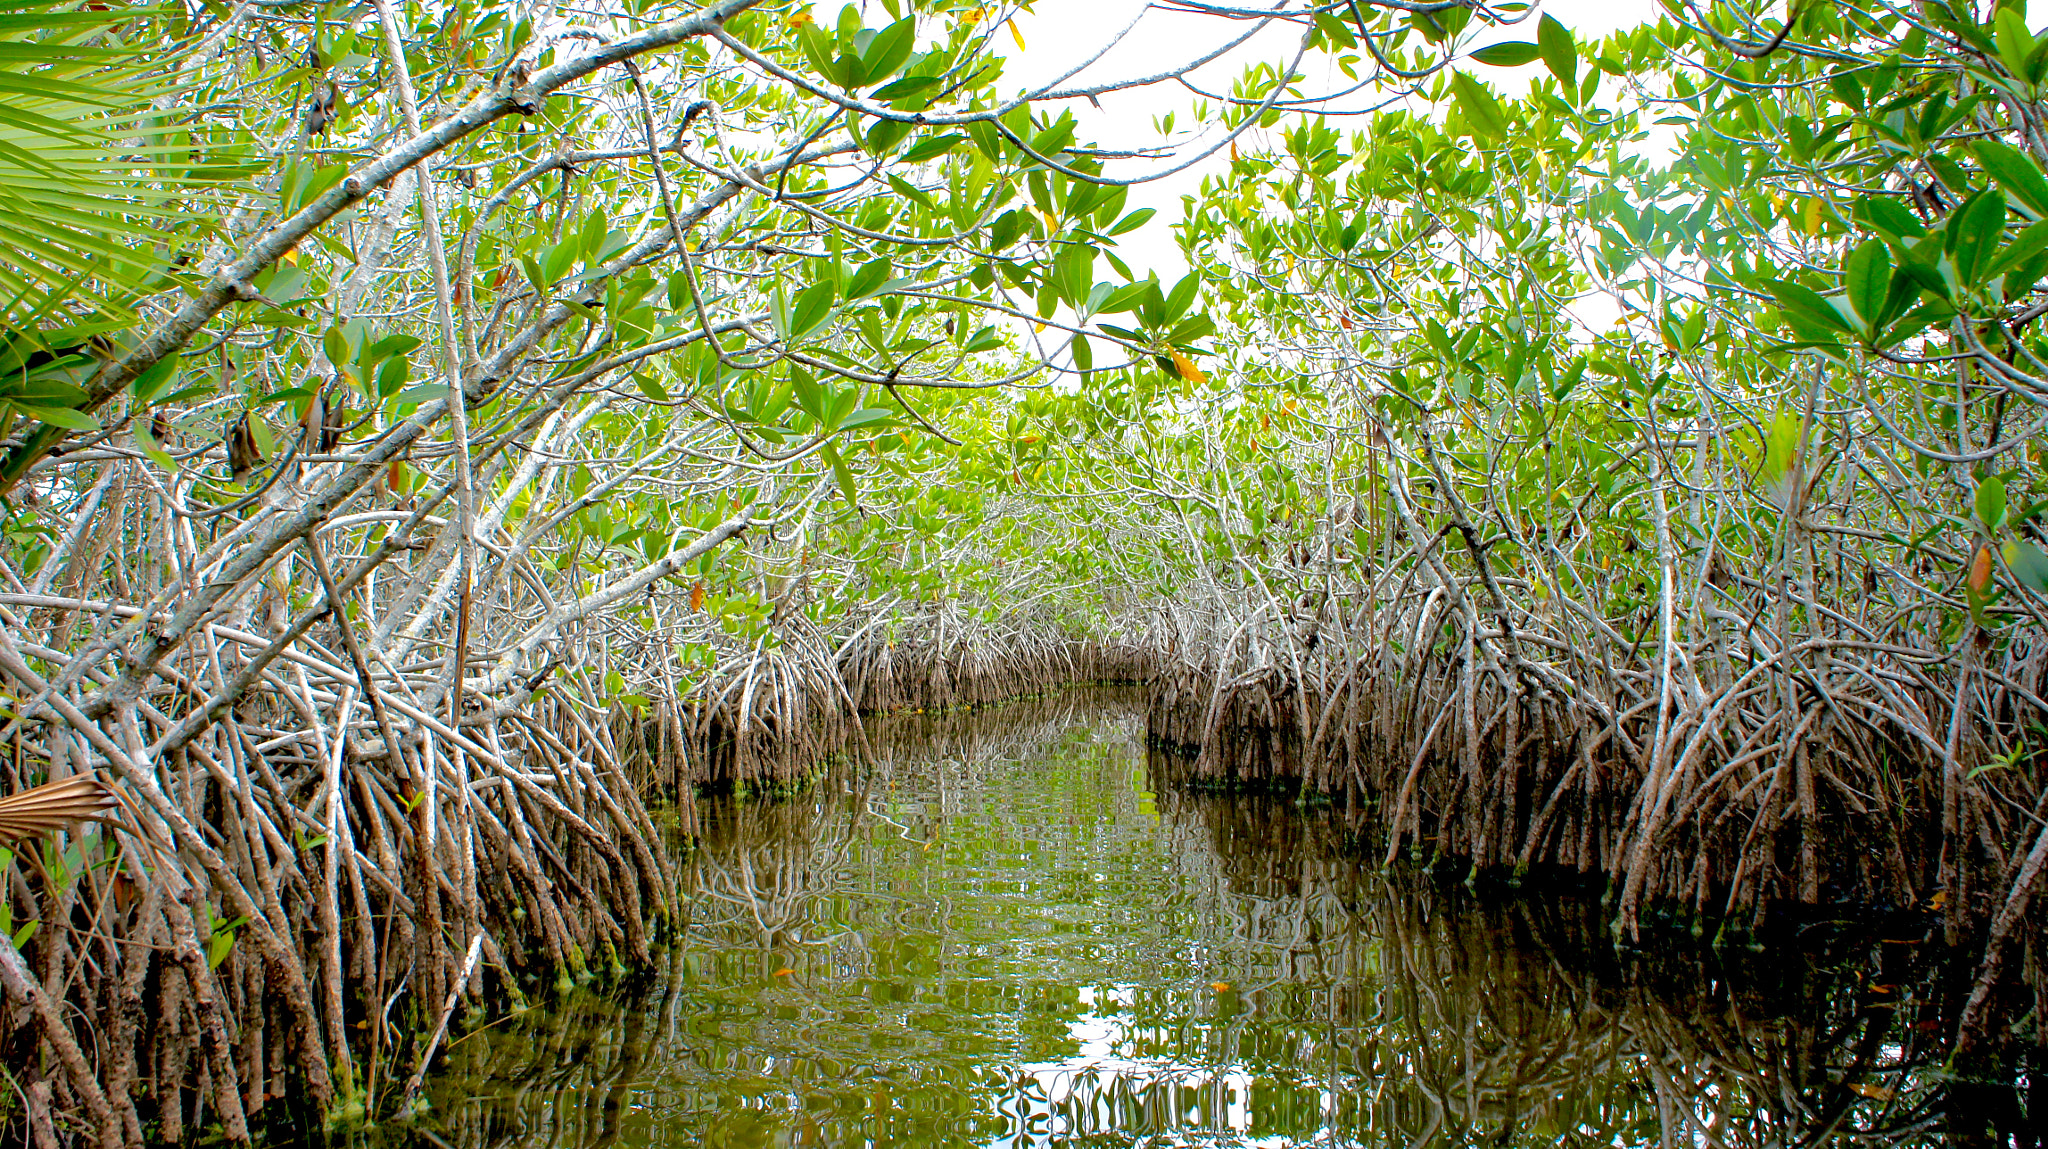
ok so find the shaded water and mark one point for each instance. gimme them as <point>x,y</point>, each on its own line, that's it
<point>1000,934</point>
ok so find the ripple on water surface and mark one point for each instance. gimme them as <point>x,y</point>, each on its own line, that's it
<point>1000,934</point>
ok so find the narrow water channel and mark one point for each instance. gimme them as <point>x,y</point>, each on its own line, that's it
<point>1002,932</point>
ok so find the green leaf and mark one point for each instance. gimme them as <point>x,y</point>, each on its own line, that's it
<point>1805,309</point>
<point>842,475</point>
<point>810,398</point>
<point>1124,298</point>
<point>821,52</point>
<point>2015,43</point>
<point>1560,53</point>
<point>912,192</point>
<point>309,185</point>
<point>908,87</point>
<point>1507,54</point>
<point>1978,228</point>
<point>883,136</point>
<point>2024,247</point>
<point>159,375</point>
<point>932,147</point>
<point>888,51</point>
<point>2028,564</point>
<point>1568,380</point>
<point>560,258</point>
<point>2016,173</point>
<point>839,407</point>
<point>1180,298</point>
<point>778,308</point>
<point>811,308</point>
<point>1781,444</point>
<point>650,386</point>
<point>866,417</point>
<point>411,396</point>
<point>222,941</point>
<point>1004,232</point>
<point>1867,274</point>
<point>151,450</point>
<point>392,376</point>
<point>1483,113</point>
<point>1991,503</point>
<point>1053,140</point>
<point>334,344</point>
<point>284,394</point>
<point>63,417</point>
<point>869,279</point>
<point>1190,329</point>
<point>1887,214</point>
<point>1133,221</point>
<point>391,345</point>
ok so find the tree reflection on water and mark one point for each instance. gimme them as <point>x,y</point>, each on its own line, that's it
<point>996,931</point>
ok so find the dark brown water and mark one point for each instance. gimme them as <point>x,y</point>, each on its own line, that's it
<point>1000,934</point>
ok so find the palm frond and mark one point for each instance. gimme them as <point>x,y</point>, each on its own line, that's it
<point>56,805</point>
<point>93,158</point>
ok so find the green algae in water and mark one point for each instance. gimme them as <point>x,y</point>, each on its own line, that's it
<point>998,933</point>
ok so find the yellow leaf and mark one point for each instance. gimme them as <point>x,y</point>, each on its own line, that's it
<point>1813,216</point>
<point>1187,369</point>
<point>697,597</point>
<point>785,972</point>
<point>1875,1093</point>
<point>291,257</point>
<point>1052,223</point>
<point>1980,570</point>
<point>974,17</point>
<point>1219,986</point>
<point>1016,35</point>
<point>799,19</point>
<point>1233,151</point>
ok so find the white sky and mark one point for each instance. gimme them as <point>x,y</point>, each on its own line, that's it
<point>1062,33</point>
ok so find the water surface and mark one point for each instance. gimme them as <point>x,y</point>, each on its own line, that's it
<point>999,933</point>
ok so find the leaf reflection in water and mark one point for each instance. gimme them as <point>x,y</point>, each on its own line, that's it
<point>995,931</point>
